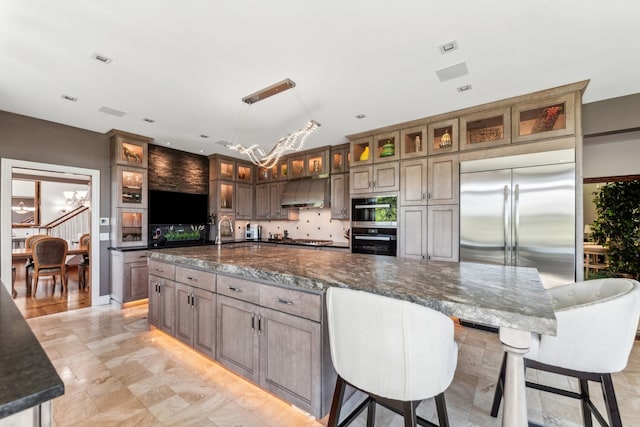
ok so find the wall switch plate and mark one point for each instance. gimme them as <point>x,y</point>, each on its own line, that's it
<point>104,236</point>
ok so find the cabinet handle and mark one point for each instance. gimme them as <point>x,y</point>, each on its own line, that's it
<point>284,301</point>
<point>231,288</point>
<point>253,321</point>
<point>192,278</point>
<point>259,324</point>
<point>142,256</point>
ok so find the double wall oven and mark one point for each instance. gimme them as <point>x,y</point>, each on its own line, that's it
<point>374,225</point>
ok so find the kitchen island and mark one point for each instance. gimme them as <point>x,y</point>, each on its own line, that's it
<point>28,380</point>
<point>510,298</point>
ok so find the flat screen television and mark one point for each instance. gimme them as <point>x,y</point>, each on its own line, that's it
<point>169,207</point>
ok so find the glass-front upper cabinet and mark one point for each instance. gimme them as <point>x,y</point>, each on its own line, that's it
<point>413,142</point>
<point>244,172</point>
<point>361,151</point>
<point>443,136</point>
<point>547,118</point>
<point>386,147</point>
<point>225,196</point>
<point>485,129</point>
<point>130,227</point>
<point>340,158</point>
<point>129,150</point>
<point>131,186</point>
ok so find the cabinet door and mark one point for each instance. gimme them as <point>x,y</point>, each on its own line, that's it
<point>263,204</point>
<point>340,196</point>
<point>137,279</point>
<point>444,180</point>
<point>237,337</point>
<point>386,147</point>
<point>361,151</point>
<point>244,204</point>
<point>184,313</point>
<point>413,182</point>
<point>130,187</point>
<point>275,201</point>
<point>386,177</point>
<point>155,304</point>
<point>413,232</point>
<point>361,180</point>
<point>168,306</point>
<point>443,243</point>
<point>290,355</point>
<point>204,334</point>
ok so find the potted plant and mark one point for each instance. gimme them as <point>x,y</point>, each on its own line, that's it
<point>617,226</point>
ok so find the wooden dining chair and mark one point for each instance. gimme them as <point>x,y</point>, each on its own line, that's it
<point>83,266</point>
<point>28,265</point>
<point>49,259</point>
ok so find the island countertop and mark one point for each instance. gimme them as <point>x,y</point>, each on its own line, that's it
<point>495,295</point>
<point>27,377</point>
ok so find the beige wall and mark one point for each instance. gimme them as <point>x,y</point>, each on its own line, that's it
<point>26,138</point>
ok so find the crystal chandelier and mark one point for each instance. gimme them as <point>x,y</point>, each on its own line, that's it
<point>76,198</point>
<point>292,142</point>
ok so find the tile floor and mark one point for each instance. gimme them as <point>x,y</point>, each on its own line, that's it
<point>118,372</point>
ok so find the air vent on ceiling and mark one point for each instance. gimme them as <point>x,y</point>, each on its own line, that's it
<point>452,72</point>
<point>464,88</point>
<point>148,120</point>
<point>69,98</point>
<point>112,111</point>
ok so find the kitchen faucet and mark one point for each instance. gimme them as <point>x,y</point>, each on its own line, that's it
<point>223,219</point>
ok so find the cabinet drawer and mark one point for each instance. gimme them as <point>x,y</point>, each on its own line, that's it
<point>290,301</point>
<point>162,269</point>
<point>197,278</point>
<point>242,289</point>
<point>135,256</point>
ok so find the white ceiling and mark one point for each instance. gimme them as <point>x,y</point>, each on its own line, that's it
<point>187,64</point>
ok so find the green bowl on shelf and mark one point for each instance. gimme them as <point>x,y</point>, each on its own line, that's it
<point>388,150</point>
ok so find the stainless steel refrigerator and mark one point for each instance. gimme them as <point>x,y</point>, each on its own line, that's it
<point>520,211</point>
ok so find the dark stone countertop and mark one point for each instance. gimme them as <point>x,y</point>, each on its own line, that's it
<point>27,377</point>
<point>494,295</point>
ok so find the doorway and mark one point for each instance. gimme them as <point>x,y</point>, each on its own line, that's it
<point>9,167</point>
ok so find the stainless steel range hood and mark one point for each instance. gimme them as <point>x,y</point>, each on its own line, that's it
<point>307,193</point>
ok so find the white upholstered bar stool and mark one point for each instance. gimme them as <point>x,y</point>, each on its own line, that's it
<point>596,326</point>
<point>396,352</point>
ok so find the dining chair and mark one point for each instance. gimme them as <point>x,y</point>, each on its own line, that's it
<point>596,327</point>
<point>83,266</point>
<point>28,244</point>
<point>49,259</point>
<point>396,352</point>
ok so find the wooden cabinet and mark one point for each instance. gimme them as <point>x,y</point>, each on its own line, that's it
<point>378,178</point>
<point>273,337</point>
<point>443,179</point>
<point>129,276</point>
<point>340,196</point>
<point>544,118</point>
<point>413,142</point>
<point>340,158</point>
<point>130,186</point>
<point>269,201</point>
<point>128,227</point>
<point>485,129</point>
<point>383,147</point>
<point>413,232</point>
<point>162,295</point>
<point>413,182</point>
<point>313,163</point>
<point>244,201</point>
<point>128,149</point>
<point>443,136</point>
<point>444,233</point>
<point>196,309</point>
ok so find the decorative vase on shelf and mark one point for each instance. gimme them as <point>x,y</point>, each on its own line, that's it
<point>365,154</point>
<point>445,139</point>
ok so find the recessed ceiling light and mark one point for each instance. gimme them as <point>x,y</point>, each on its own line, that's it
<point>360,116</point>
<point>448,47</point>
<point>101,58</point>
<point>464,88</point>
<point>69,98</point>
<point>168,143</point>
<point>202,151</point>
<point>112,111</point>
<point>148,120</point>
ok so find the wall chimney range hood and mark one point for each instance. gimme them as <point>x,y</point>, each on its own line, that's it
<point>307,193</point>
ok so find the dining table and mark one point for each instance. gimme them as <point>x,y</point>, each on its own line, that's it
<point>26,254</point>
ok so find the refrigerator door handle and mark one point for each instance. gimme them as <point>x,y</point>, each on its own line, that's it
<point>516,221</point>
<point>505,216</point>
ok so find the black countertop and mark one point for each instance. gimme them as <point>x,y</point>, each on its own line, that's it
<point>27,377</point>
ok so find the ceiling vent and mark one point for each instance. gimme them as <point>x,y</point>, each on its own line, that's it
<point>448,47</point>
<point>69,98</point>
<point>112,111</point>
<point>452,71</point>
<point>101,58</point>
